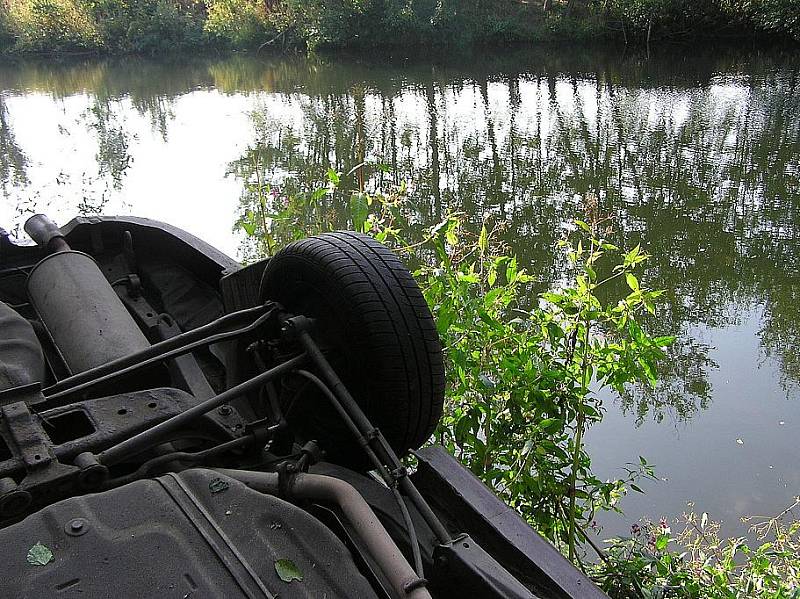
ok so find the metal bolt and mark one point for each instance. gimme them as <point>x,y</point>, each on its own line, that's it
<point>76,527</point>
<point>224,410</point>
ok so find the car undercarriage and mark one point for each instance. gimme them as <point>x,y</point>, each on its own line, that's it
<point>175,424</point>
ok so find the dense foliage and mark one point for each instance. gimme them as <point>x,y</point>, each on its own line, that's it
<point>239,23</point>
<point>6,34</point>
<point>524,382</point>
<point>152,26</point>
<point>146,26</point>
<point>121,26</point>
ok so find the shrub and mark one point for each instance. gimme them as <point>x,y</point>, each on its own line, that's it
<point>239,23</point>
<point>336,23</point>
<point>147,26</point>
<point>669,18</point>
<point>699,563</point>
<point>53,25</point>
<point>400,22</point>
<point>524,380</point>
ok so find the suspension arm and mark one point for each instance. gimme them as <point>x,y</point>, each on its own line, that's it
<point>148,438</point>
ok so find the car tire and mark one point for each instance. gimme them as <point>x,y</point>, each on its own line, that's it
<point>374,326</point>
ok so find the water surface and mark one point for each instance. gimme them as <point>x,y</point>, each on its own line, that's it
<point>697,154</point>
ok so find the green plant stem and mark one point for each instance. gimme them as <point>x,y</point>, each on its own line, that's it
<point>580,422</point>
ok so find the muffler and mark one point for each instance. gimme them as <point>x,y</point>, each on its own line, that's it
<point>86,320</point>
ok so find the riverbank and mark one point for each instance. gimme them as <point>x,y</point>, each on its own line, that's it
<point>168,26</point>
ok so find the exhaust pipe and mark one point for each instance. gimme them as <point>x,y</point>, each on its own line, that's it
<point>356,511</point>
<point>82,313</point>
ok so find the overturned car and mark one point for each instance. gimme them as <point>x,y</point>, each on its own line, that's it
<point>173,424</point>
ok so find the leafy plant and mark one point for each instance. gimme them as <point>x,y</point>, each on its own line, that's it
<point>152,26</point>
<point>524,382</point>
<point>698,563</point>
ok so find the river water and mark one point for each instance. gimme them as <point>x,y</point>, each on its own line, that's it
<point>696,153</point>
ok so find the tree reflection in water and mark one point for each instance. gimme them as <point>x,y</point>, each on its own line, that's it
<point>704,175</point>
<point>696,156</point>
<point>12,159</point>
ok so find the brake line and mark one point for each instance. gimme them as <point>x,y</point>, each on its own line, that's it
<point>180,456</point>
<point>154,352</point>
<point>149,437</point>
<point>367,433</point>
<point>57,398</point>
<point>411,529</point>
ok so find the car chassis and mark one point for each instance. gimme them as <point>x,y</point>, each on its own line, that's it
<point>148,414</point>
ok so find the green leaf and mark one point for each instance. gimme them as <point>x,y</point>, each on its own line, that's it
<point>632,281</point>
<point>583,225</point>
<point>218,485</point>
<point>359,210</point>
<point>39,555</point>
<point>333,176</point>
<point>632,257</point>
<point>451,233</point>
<point>490,297</point>
<point>550,424</point>
<point>637,488</point>
<point>462,430</point>
<point>661,542</point>
<point>553,298</point>
<point>444,318</point>
<point>287,570</point>
<point>483,240</point>
<point>649,371</point>
<point>249,228</point>
<point>511,270</point>
<point>318,194</point>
